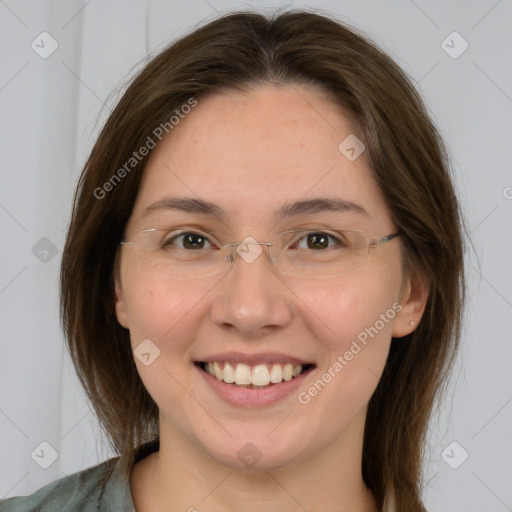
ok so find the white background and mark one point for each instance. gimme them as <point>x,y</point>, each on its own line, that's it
<point>50,112</point>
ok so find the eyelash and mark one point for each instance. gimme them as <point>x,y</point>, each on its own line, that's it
<point>169,242</point>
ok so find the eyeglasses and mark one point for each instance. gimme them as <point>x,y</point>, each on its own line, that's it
<point>299,252</point>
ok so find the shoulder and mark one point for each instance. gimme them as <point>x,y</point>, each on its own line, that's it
<point>101,488</point>
<point>83,491</point>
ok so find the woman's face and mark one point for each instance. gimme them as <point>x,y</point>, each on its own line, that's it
<point>250,154</point>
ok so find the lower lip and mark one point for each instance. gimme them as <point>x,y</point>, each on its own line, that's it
<point>253,397</point>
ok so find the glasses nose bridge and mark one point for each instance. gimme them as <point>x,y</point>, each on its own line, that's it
<point>248,250</point>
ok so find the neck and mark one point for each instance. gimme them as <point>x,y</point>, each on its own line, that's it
<point>182,477</point>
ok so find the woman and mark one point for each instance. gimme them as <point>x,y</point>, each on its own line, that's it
<point>262,283</point>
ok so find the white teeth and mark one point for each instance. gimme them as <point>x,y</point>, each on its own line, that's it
<point>260,375</point>
<point>288,372</point>
<point>276,374</point>
<point>217,370</point>
<point>243,374</point>
<point>296,370</point>
<point>228,374</point>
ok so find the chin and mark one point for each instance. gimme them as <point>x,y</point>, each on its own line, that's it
<point>256,452</point>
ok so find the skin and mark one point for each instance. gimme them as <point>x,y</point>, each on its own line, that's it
<point>250,153</point>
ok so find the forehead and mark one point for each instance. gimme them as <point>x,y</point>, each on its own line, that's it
<point>252,152</point>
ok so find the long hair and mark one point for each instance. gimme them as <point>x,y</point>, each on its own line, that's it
<point>408,159</point>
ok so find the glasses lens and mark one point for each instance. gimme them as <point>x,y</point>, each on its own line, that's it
<point>302,253</point>
<point>186,254</point>
<point>327,253</point>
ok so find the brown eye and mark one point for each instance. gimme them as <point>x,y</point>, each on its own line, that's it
<point>189,240</point>
<point>318,241</point>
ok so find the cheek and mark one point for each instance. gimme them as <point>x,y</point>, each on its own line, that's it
<point>342,312</point>
<point>353,323</point>
<point>161,311</point>
<point>167,316</point>
<point>355,333</point>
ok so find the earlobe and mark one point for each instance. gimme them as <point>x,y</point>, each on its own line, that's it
<point>120,304</point>
<point>414,301</point>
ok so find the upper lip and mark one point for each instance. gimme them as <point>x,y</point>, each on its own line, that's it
<point>252,359</point>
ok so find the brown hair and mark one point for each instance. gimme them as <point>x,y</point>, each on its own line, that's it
<point>236,52</point>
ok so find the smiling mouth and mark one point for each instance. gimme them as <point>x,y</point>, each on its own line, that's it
<point>258,376</point>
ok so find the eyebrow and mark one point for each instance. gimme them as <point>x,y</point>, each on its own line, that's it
<point>294,209</point>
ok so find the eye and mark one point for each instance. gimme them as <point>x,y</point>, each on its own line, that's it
<point>320,240</point>
<point>187,240</point>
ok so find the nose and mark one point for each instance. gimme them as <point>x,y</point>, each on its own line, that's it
<point>252,298</point>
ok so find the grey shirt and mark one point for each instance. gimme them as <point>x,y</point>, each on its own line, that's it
<point>83,491</point>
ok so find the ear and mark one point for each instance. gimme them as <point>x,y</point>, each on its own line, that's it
<point>120,304</point>
<point>414,300</point>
